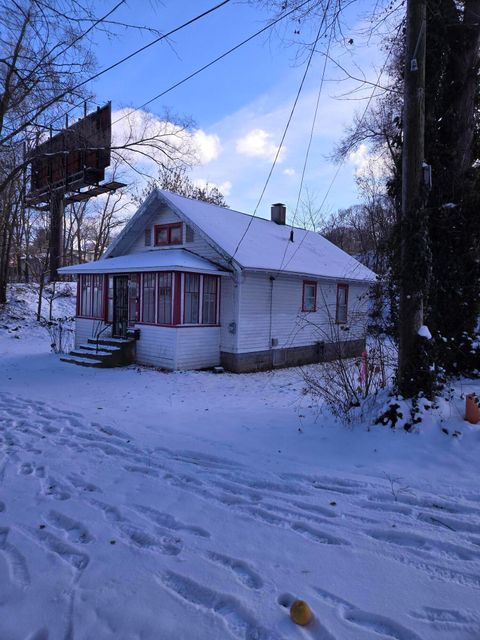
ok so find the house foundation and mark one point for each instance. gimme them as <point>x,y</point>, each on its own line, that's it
<point>291,356</point>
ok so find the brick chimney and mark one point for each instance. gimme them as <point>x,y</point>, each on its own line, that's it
<point>278,213</point>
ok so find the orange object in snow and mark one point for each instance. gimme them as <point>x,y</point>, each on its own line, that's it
<point>300,612</point>
<point>472,408</point>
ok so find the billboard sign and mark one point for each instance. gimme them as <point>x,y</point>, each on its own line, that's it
<point>74,158</point>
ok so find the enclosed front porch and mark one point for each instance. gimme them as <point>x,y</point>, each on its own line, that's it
<point>168,309</point>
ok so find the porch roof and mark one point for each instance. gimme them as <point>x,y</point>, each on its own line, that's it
<point>153,260</point>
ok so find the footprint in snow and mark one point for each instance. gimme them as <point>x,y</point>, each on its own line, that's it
<point>375,624</point>
<point>75,531</point>
<point>242,570</point>
<point>237,619</point>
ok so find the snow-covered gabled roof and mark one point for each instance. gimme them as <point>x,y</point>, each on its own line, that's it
<point>155,260</point>
<point>265,245</point>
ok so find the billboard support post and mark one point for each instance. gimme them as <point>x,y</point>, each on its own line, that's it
<point>56,234</point>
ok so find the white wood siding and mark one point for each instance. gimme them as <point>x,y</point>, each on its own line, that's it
<point>86,328</point>
<point>198,347</point>
<point>290,326</point>
<point>228,314</point>
<point>156,346</point>
<point>167,216</point>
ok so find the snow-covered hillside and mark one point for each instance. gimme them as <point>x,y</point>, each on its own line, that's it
<point>136,504</point>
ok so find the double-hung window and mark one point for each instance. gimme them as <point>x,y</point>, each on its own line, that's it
<point>164,298</point>
<point>209,302</point>
<point>86,295</point>
<point>191,298</point>
<point>97,296</point>
<point>342,303</point>
<point>148,297</point>
<point>309,299</point>
<point>91,303</point>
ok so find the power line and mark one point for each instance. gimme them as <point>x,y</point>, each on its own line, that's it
<point>372,95</point>
<point>116,64</point>
<point>292,111</point>
<point>307,154</point>
<point>212,62</point>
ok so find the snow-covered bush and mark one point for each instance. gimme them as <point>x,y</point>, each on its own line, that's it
<point>349,388</point>
<point>61,331</point>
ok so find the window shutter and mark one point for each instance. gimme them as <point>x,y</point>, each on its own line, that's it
<point>189,234</point>
<point>148,237</point>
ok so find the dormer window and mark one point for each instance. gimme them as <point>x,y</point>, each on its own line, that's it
<point>168,234</point>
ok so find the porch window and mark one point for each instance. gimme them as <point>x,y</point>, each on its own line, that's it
<point>164,298</point>
<point>168,234</point>
<point>86,296</point>
<point>148,297</point>
<point>91,304</point>
<point>110,299</point>
<point>133,298</point>
<point>209,305</point>
<point>191,298</point>
<point>97,296</point>
<point>342,303</point>
<point>309,299</point>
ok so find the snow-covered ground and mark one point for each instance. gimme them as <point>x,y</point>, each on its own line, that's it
<point>136,504</point>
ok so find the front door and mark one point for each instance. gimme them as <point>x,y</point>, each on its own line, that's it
<point>120,306</point>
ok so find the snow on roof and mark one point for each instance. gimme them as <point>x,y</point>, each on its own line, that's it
<point>266,244</point>
<point>154,260</point>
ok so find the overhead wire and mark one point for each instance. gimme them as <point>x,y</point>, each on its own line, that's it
<point>340,165</point>
<point>214,61</point>
<point>307,153</point>
<point>285,131</point>
<point>116,64</point>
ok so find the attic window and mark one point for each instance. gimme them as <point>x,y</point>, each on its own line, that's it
<point>168,234</point>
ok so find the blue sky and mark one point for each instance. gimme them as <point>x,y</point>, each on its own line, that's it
<point>240,105</point>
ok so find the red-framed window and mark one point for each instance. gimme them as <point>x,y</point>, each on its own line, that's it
<point>341,315</point>
<point>309,296</point>
<point>168,234</point>
<point>165,299</point>
<point>210,300</point>
<point>91,296</point>
<point>148,297</point>
<point>133,298</point>
<point>191,298</point>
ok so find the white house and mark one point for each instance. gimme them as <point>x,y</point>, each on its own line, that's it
<point>199,285</point>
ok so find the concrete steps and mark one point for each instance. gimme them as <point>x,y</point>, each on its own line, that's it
<point>105,352</point>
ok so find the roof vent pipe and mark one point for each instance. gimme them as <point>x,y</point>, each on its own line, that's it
<point>278,213</point>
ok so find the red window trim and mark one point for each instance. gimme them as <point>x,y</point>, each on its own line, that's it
<point>342,286</point>
<point>155,296</point>
<point>79,310</point>
<point>169,227</point>
<point>200,293</point>
<point>178,298</point>
<point>314,283</point>
<point>170,274</point>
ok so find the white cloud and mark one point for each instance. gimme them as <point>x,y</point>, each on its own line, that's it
<point>224,187</point>
<point>151,140</point>
<point>289,172</point>
<point>366,163</point>
<point>257,144</point>
<point>207,145</point>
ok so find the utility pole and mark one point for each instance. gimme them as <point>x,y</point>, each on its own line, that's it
<point>413,229</point>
